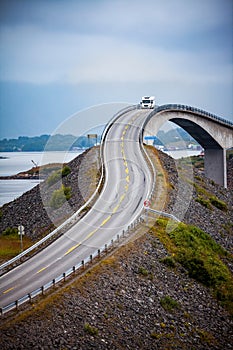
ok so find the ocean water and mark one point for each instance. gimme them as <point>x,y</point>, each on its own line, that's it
<point>12,163</point>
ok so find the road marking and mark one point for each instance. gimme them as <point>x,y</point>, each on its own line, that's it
<point>72,248</point>
<point>120,200</point>
<point>43,268</point>
<point>106,220</point>
<point>116,207</point>
<point>8,290</point>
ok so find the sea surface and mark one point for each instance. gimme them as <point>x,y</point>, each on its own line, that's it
<point>12,163</point>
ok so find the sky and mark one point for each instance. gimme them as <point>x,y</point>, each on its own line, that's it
<point>59,57</point>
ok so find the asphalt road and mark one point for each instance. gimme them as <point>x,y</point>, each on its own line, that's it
<point>127,185</point>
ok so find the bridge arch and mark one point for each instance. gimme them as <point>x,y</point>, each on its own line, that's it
<point>214,134</point>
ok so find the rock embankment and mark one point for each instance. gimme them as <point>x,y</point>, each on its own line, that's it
<point>32,209</point>
<point>132,300</point>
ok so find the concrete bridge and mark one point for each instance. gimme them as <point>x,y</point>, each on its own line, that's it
<point>214,134</point>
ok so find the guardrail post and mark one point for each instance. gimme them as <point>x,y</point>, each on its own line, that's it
<point>30,297</point>
<point>54,282</point>
<point>106,248</point>
<point>64,276</point>
<point>16,304</point>
<point>42,290</point>
<point>123,233</point>
<point>112,242</point>
<point>91,258</point>
<point>83,264</point>
<point>118,238</point>
<point>73,268</point>
<point>98,253</point>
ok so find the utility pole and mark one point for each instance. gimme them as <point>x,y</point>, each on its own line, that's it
<point>21,233</point>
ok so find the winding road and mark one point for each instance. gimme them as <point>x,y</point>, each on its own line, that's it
<point>127,184</point>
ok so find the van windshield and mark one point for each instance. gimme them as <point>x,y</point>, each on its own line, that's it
<point>146,101</point>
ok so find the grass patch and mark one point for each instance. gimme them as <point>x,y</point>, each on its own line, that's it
<point>201,256</point>
<point>143,271</point>
<point>169,304</point>
<point>90,329</point>
<point>218,203</point>
<point>10,243</point>
<point>206,199</point>
<point>204,202</point>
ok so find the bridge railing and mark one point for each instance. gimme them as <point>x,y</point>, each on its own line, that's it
<point>195,110</point>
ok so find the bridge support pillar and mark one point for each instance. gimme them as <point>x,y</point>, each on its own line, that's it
<point>215,165</point>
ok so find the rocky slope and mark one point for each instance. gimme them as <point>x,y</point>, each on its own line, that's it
<point>132,300</point>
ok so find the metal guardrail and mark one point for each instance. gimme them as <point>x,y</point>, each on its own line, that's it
<point>162,213</point>
<point>72,270</point>
<point>73,218</point>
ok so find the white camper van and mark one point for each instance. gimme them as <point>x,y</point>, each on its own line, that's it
<point>148,102</point>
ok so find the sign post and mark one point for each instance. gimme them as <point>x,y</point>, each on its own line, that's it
<point>21,233</point>
<point>147,205</point>
<point>92,136</point>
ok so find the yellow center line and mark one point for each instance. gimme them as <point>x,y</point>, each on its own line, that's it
<point>8,290</point>
<point>72,248</point>
<point>105,221</point>
<point>122,197</point>
<point>43,268</point>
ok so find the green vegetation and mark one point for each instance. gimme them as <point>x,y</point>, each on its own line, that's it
<point>204,202</point>
<point>54,177</point>
<point>168,303</point>
<point>10,231</point>
<point>10,243</point>
<point>142,271</point>
<point>90,329</point>
<point>168,261</point>
<point>201,256</point>
<point>60,196</point>
<point>206,199</point>
<point>57,175</point>
<point>50,143</point>
<point>65,171</point>
<point>218,203</point>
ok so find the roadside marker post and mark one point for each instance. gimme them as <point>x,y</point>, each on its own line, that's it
<point>147,205</point>
<point>21,233</point>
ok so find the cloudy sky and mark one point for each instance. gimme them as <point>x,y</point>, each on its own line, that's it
<point>61,56</point>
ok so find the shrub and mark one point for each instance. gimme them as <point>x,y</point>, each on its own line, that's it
<point>168,303</point>
<point>60,196</point>
<point>169,261</point>
<point>65,171</point>
<point>54,177</point>
<point>90,329</point>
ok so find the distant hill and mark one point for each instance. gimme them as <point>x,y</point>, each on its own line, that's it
<point>60,142</point>
<point>50,143</point>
